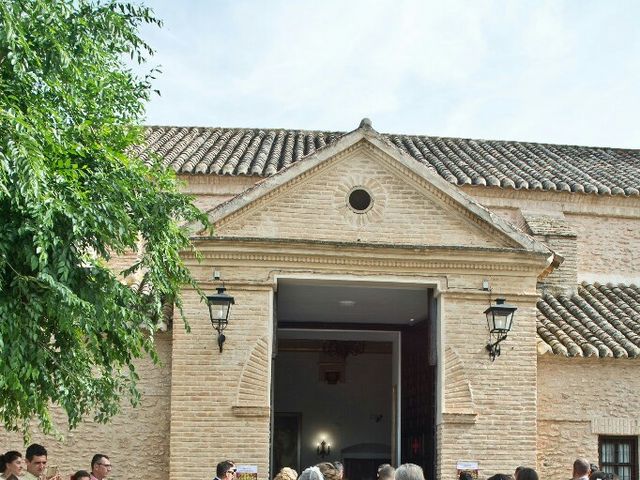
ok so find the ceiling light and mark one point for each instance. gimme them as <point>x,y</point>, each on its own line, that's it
<point>347,303</point>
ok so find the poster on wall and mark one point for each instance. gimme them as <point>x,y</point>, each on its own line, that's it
<point>286,441</point>
<point>247,472</point>
<point>470,467</point>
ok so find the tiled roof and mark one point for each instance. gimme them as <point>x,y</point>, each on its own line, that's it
<point>518,165</point>
<point>597,321</point>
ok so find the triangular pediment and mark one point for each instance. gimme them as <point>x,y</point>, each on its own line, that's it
<point>409,203</point>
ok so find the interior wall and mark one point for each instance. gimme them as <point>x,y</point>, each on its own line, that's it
<point>344,414</point>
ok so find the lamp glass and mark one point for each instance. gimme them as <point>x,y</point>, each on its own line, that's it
<point>501,321</point>
<point>219,311</point>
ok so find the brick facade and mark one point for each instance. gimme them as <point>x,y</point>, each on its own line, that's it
<point>202,406</point>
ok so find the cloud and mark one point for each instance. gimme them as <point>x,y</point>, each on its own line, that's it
<point>546,71</point>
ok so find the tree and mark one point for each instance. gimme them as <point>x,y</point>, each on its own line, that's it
<point>72,194</point>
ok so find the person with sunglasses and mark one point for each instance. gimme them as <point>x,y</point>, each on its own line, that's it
<point>226,470</point>
<point>100,467</point>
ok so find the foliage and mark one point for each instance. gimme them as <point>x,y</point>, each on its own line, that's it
<point>72,194</point>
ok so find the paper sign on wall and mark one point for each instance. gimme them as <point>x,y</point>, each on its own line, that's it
<point>247,472</point>
<point>467,466</point>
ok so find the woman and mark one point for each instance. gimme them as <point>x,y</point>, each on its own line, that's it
<point>11,465</point>
<point>81,475</point>
<point>527,474</point>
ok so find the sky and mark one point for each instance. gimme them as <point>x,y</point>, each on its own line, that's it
<point>545,71</point>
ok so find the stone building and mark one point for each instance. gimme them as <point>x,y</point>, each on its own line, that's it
<point>361,265</point>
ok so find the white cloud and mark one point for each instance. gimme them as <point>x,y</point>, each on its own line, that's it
<point>547,71</point>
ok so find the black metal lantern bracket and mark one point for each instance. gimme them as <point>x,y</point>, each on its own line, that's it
<point>219,307</point>
<point>499,321</point>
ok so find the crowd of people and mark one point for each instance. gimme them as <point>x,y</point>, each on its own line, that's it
<point>35,466</point>
<point>582,470</point>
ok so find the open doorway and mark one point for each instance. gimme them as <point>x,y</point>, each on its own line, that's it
<point>341,376</point>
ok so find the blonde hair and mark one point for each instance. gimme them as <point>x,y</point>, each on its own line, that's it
<point>286,473</point>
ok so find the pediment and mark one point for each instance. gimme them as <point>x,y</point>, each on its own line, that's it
<point>409,203</point>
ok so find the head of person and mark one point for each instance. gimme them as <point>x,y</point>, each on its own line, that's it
<point>464,475</point>
<point>36,459</point>
<point>501,476</point>
<point>100,466</point>
<point>380,467</point>
<point>311,473</point>
<point>340,467</point>
<point>518,469</point>
<point>598,475</point>
<point>386,472</point>
<point>527,474</point>
<point>580,468</point>
<point>11,464</point>
<point>329,471</point>
<point>286,473</point>
<point>409,471</point>
<point>81,475</point>
<point>226,470</point>
<point>593,468</point>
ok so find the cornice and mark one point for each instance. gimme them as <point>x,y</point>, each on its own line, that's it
<point>467,294</point>
<point>438,258</point>
<point>578,203</point>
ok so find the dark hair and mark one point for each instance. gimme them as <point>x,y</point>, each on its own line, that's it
<point>8,457</point>
<point>222,468</point>
<point>464,475</point>
<point>35,450</point>
<point>518,470</point>
<point>598,475</point>
<point>502,476</point>
<point>80,474</point>
<point>96,458</point>
<point>581,467</point>
<point>527,474</point>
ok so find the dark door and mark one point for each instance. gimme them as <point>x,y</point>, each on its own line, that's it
<point>418,395</point>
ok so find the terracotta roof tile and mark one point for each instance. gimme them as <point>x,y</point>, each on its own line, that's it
<point>599,320</point>
<point>517,165</point>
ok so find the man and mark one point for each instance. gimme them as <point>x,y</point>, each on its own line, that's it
<point>581,469</point>
<point>386,472</point>
<point>409,471</point>
<point>36,457</point>
<point>226,470</point>
<point>100,466</point>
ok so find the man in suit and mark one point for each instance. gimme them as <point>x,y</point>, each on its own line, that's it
<point>226,470</point>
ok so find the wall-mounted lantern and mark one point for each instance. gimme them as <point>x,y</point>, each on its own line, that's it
<point>219,307</point>
<point>499,321</point>
<point>324,449</point>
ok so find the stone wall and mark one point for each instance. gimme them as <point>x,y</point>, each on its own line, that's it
<point>136,441</point>
<point>606,228</point>
<point>220,401</point>
<point>500,408</point>
<point>579,399</point>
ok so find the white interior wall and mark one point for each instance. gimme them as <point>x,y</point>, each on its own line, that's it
<point>343,414</point>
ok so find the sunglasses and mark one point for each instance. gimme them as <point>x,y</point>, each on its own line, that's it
<point>233,470</point>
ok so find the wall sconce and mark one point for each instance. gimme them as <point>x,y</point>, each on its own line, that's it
<point>499,321</point>
<point>324,449</point>
<point>219,307</point>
